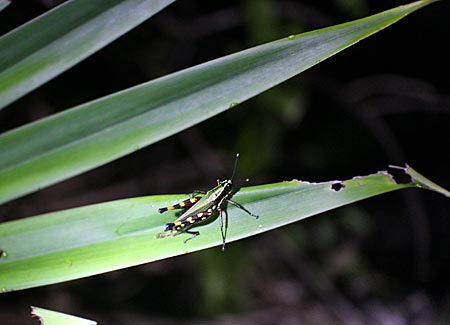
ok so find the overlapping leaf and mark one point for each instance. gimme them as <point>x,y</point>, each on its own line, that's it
<point>79,139</point>
<point>52,43</point>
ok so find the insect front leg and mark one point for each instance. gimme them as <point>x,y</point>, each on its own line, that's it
<point>198,218</point>
<point>186,204</point>
<point>223,227</point>
<point>193,233</point>
<point>237,205</point>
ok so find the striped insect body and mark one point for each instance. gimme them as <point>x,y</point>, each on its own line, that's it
<point>200,207</point>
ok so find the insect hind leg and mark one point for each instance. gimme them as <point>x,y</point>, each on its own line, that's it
<point>181,205</point>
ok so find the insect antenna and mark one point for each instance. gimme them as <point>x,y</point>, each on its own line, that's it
<point>235,165</point>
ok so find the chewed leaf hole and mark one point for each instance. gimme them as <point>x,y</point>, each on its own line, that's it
<point>399,175</point>
<point>337,186</point>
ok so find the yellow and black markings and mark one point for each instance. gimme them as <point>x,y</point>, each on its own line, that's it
<point>201,207</point>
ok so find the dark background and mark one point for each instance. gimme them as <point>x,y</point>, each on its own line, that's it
<point>383,101</point>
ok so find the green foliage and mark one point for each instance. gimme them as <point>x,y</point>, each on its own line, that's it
<point>50,317</point>
<point>75,243</point>
<point>79,139</point>
<point>47,46</point>
<point>3,4</point>
<point>79,242</point>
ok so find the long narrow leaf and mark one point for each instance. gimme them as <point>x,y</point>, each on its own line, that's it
<point>40,50</point>
<point>4,4</point>
<point>67,144</point>
<point>50,317</point>
<point>80,242</point>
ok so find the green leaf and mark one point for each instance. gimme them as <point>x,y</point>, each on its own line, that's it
<point>50,317</point>
<point>4,4</point>
<point>52,43</point>
<point>82,138</point>
<point>423,182</point>
<point>80,242</point>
